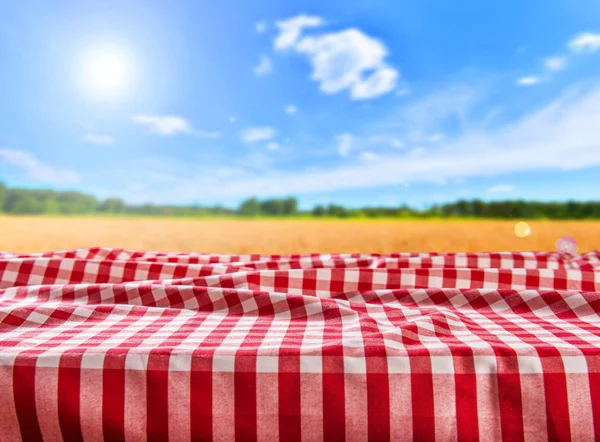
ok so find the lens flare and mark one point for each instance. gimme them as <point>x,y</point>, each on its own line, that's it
<point>566,244</point>
<point>522,229</point>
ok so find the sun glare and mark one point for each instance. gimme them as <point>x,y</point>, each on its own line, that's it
<point>107,73</point>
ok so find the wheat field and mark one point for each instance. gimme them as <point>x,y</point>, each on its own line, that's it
<point>37,234</point>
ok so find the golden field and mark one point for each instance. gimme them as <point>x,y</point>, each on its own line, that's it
<point>37,234</point>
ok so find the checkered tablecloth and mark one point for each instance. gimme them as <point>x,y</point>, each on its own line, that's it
<point>105,344</point>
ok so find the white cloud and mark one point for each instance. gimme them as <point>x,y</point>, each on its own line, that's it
<point>528,81</point>
<point>379,83</point>
<point>392,141</point>
<point>207,134</point>
<point>272,145</point>
<point>369,156</point>
<point>556,63</point>
<point>290,29</point>
<point>501,188</point>
<point>585,42</point>
<point>451,103</point>
<point>433,138</point>
<point>164,124</point>
<point>417,152</point>
<point>168,125</point>
<point>291,109</point>
<point>228,172</point>
<point>539,141</point>
<point>264,66</point>
<point>402,92</point>
<point>35,170</point>
<point>428,118</point>
<point>98,139</point>
<point>345,143</point>
<point>254,134</point>
<point>260,27</point>
<point>436,137</point>
<point>349,60</point>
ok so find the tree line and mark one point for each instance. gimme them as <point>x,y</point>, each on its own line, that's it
<point>45,201</point>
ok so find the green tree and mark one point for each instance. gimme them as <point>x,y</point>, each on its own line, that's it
<point>112,205</point>
<point>250,207</point>
<point>50,206</point>
<point>3,195</point>
<point>337,211</point>
<point>478,208</point>
<point>462,208</point>
<point>28,205</point>
<point>290,206</point>
<point>71,202</point>
<point>319,211</point>
<point>272,207</point>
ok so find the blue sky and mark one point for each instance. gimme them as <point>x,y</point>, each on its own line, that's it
<point>359,103</point>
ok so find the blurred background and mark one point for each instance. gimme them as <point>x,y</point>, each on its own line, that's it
<point>288,127</point>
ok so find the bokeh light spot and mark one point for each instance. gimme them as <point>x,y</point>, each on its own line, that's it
<point>566,244</point>
<point>522,229</point>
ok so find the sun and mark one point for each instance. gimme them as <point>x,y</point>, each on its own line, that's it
<point>107,73</point>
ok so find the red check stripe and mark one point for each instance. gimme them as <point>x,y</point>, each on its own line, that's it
<point>131,345</point>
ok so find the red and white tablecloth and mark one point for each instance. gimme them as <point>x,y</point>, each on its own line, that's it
<point>105,344</point>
